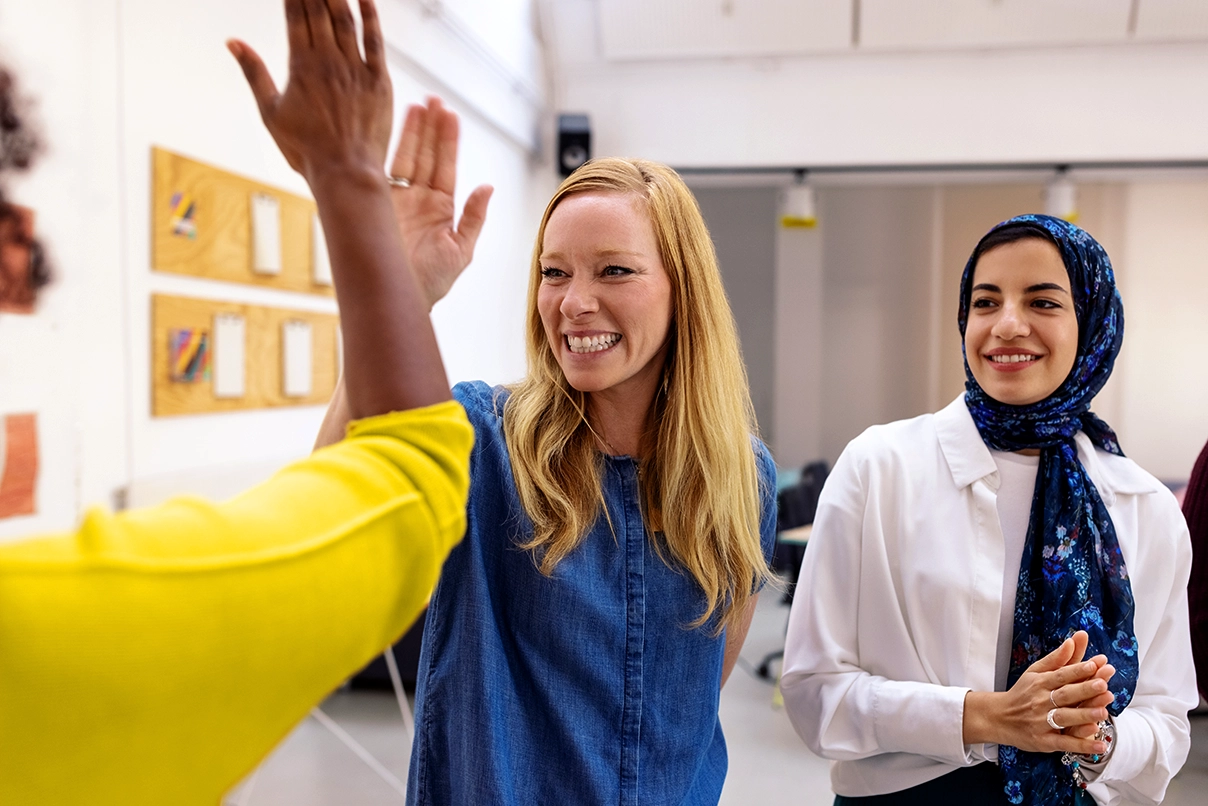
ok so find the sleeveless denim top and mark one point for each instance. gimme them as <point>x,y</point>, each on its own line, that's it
<point>580,688</point>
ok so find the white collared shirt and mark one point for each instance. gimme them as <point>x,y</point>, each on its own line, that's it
<point>897,611</point>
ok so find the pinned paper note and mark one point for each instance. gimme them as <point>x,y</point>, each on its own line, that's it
<point>266,234</point>
<point>297,345</point>
<point>18,464</point>
<point>230,331</point>
<point>320,260</point>
<point>189,352</point>
<point>184,212</point>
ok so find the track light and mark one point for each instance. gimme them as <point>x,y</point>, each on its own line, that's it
<point>1061,196</point>
<point>798,204</point>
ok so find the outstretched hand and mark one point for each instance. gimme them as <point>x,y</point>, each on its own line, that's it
<point>335,112</point>
<point>426,156</point>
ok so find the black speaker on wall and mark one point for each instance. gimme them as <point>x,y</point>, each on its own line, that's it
<point>574,142</point>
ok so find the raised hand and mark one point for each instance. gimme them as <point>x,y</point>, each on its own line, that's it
<point>335,112</point>
<point>426,157</point>
<point>332,123</point>
<point>1018,717</point>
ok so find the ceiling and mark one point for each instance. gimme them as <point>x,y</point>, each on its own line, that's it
<point>673,29</point>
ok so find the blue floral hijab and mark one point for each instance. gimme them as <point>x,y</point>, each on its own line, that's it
<point>1072,576</point>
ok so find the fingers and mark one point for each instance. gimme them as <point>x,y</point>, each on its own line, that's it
<point>343,28</point>
<point>1081,639</point>
<point>1069,717</point>
<point>473,217</point>
<point>318,20</point>
<point>1056,659</point>
<point>375,49</point>
<point>296,28</point>
<point>444,176</point>
<point>1073,673</point>
<point>1069,743</point>
<point>425,159</point>
<point>1077,693</point>
<point>257,75</point>
<point>408,142</point>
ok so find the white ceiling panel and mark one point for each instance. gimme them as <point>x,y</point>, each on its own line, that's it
<point>936,24</point>
<point>1172,19</point>
<point>668,29</point>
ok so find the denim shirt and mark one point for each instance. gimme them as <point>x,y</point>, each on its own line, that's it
<point>584,687</point>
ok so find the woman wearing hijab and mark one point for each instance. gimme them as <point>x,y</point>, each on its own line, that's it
<point>964,563</point>
<point>156,656</point>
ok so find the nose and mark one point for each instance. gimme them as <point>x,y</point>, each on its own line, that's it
<point>1012,322</point>
<point>579,299</point>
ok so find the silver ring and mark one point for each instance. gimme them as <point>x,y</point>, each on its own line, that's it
<point>1051,693</point>
<point>1052,722</point>
<point>398,181</point>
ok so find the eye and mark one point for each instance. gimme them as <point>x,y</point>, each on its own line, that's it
<point>550,273</point>
<point>1046,304</point>
<point>982,302</point>
<point>616,271</point>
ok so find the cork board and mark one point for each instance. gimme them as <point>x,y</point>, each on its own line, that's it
<point>201,225</point>
<point>263,357</point>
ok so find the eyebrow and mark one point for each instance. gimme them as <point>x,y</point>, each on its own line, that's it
<point>1032,289</point>
<point>600,253</point>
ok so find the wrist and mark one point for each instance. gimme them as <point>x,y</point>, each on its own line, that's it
<point>357,172</point>
<point>977,723</point>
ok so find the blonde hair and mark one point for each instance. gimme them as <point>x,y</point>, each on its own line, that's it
<point>700,485</point>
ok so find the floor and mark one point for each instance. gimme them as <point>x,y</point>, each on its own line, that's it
<point>353,751</point>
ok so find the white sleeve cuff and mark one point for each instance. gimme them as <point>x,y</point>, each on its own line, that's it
<point>924,719</point>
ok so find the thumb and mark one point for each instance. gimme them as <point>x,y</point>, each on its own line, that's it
<point>257,75</point>
<point>473,217</point>
<point>1056,659</point>
<point>1081,640</point>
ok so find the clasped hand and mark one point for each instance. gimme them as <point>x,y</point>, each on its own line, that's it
<point>1073,689</point>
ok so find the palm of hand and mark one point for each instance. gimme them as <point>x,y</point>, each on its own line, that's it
<point>435,253</point>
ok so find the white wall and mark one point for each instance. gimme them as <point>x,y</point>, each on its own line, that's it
<point>115,77</point>
<point>1163,276</point>
<point>1125,101</point>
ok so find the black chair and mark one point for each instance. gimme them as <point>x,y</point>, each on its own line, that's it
<point>796,506</point>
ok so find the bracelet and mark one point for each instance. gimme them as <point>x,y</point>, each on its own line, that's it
<point>1074,761</point>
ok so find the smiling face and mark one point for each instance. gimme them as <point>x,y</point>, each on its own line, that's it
<point>1021,338</point>
<point>605,297</point>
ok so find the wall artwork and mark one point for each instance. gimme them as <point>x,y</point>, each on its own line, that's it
<point>259,357</point>
<point>184,211</point>
<point>213,224</point>
<point>19,256</point>
<point>190,355</point>
<point>18,464</point>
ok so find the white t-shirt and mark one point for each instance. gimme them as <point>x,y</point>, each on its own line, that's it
<point>1016,486</point>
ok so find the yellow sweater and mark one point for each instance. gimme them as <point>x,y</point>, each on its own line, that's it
<point>156,656</point>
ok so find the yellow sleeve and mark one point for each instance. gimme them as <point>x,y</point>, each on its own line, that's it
<point>156,656</point>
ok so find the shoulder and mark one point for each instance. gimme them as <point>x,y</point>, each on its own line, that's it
<point>893,444</point>
<point>1118,475</point>
<point>765,466</point>
<point>483,403</point>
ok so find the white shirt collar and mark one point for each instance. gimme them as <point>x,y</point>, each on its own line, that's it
<point>969,459</point>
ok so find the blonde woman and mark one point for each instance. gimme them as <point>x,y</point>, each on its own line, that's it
<point>621,511</point>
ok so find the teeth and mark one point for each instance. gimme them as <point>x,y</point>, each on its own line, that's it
<point>1012,359</point>
<point>592,344</point>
